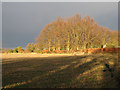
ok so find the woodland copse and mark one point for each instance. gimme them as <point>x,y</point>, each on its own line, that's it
<point>73,33</point>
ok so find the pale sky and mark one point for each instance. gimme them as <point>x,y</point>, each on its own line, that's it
<point>22,22</point>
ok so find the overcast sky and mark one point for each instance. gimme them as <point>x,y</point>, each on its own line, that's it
<point>22,22</point>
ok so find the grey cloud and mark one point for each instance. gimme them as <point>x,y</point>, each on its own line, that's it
<point>22,22</point>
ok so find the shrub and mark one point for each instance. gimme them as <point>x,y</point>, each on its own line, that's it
<point>15,50</point>
<point>56,51</point>
<point>11,51</point>
<point>39,51</point>
<point>5,50</point>
<point>20,50</point>
<point>44,51</point>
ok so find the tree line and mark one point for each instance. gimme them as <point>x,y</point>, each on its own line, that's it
<point>73,33</point>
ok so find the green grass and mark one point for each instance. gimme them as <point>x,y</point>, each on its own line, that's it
<point>84,71</point>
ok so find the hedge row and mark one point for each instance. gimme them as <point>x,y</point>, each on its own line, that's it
<point>91,50</point>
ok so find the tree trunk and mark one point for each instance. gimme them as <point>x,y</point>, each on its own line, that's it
<point>49,46</point>
<point>86,45</point>
<point>77,48</point>
<point>68,43</point>
<point>59,45</point>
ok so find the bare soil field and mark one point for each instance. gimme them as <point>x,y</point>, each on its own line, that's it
<point>60,71</point>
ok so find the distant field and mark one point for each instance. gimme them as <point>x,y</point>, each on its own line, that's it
<point>20,55</point>
<point>60,71</point>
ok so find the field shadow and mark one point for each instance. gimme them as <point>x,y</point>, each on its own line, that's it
<point>60,72</point>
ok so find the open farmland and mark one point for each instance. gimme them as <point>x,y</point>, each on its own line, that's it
<point>60,71</point>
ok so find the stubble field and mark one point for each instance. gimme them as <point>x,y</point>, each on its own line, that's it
<point>60,71</point>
